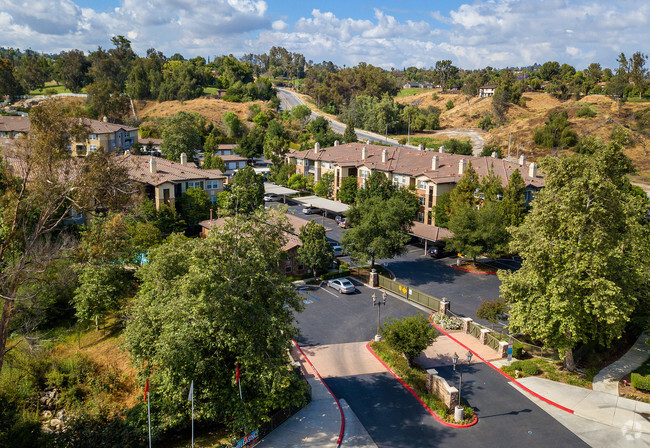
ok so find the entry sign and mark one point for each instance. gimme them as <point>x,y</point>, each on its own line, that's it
<point>509,352</point>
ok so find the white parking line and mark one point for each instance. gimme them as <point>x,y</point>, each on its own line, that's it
<point>329,292</point>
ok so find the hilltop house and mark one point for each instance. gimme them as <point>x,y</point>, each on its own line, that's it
<point>165,181</point>
<point>429,174</point>
<point>486,91</point>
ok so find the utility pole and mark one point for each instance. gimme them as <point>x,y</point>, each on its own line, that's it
<point>509,142</point>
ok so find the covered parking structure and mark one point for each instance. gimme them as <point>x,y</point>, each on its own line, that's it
<point>429,234</point>
<point>326,205</point>
<point>278,190</point>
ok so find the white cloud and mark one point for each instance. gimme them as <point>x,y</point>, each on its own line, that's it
<point>483,32</point>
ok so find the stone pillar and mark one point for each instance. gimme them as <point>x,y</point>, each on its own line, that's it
<point>444,305</point>
<point>466,322</point>
<point>503,349</point>
<point>374,278</point>
<point>483,338</point>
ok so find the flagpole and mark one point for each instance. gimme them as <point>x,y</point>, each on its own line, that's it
<point>149,415</point>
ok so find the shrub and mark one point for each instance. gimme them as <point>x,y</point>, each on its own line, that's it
<point>449,105</point>
<point>528,367</point>
<point>434,96</point>
<point>641,382</point>
<point>586,112</point>
<point>489,149</point>
<point>447,322</point>
<point>409,335</point>
<point>344,273</point>
<point>486,123</point>
<point>517,350</point>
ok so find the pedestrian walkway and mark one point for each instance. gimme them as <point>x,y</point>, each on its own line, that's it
<point>440,353</point>
<point>607,379</point>
<point>622,413</point>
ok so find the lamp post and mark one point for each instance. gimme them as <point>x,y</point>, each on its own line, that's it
<point>378,304</point>
<point>388,124</point>
<point>459,411</point>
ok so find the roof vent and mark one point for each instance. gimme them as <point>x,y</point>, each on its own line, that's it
<point>384,155</point>
<point>105,119</point>
<point>435,163</point>
<point>336,142</point>
<point>153,165</point>
<point>461,167</point>
<point>364,153</point>
<point>532,170</point>
<point>316,147</point>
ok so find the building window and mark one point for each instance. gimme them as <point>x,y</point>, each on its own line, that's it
<point>92,137</point>
<point>212,185</point>
<point>289,265</point>
<point>299,162</point>
<point>92,148</point>
<point>420,217</point>
<point>195,183</point>
<point>423,185</point>
<point>213,199</point>
<point>363,174</point>
<point>423,201</point>
<point>301,266</point>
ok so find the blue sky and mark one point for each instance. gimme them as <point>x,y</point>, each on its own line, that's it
<point>472,33</point>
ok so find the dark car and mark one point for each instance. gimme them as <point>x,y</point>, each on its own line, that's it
<point>439,251</point>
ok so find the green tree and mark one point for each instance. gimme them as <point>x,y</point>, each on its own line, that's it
<point>409,335</point>
<point>492,310</point>
<point>213,162</point>
<point>556,132</point>
<point>181,135</point>
<point>514,200</point>
<point>638,71</point>
<point>233,124</point>
<point>245,194</point>
<point>195,206</point>
<point>380,226</point>
<point>585,251</point>
<point>9,85</point>
<point>203,308</point>
<point>442,210</point>
<point>301,113</point>
<point>348,190</point>
<point>349,136</point>
<point>315,251</point>
<point>325,185</point>
<point>252,144</point>
<point>102,290</point>
<point>464,193</point>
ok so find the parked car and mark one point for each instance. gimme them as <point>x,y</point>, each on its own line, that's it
<point>342,285</point>
<point>269,197</point>
<point>309,210</point>
<point>338,250</point>
<point>341,221</point>
<point>439,251</point>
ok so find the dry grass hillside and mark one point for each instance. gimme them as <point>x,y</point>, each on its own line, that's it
<point>523,121</point>
<point>212,109</point>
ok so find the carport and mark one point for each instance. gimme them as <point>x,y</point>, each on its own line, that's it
<point>327,205</point>
<point>279,190</point>
<point>429,234</point>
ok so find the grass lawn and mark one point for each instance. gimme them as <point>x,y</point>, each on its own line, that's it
<point>412,91</point>
<point>551,370</point>
<point>209,90</point>
<point>428,142</point>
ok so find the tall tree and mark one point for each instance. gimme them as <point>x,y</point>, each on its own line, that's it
<point>181,135</point>
<point>585,251</point>
<point>349,136</point>
<point>9,85</point>
<point>71,69</point>
<point>638,71</point>
<point>244,195</point>
<point>315,251</point>
<point>195,206</point>
<point>228,287</point>
<point>348,190</point>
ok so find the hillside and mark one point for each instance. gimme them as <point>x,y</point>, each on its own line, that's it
<point>211,108</point>
<point>523,121</point>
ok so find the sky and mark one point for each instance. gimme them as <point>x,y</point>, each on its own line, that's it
<point>476,34</point>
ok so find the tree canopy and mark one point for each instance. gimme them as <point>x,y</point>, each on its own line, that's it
<point>315,251</point>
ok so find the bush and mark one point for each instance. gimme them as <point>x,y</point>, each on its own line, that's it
<point>337,274</point>
<point>409,335</point>
<point>434,96</point>
<point>449,105</point>
<point>447,322</point>
<point>528,367</point>
<point>489,149</point>
<point>517,350</point>
<point>486,123</point>
<point>586,112</point>
<point>455,146</point>
<point>641,382</point>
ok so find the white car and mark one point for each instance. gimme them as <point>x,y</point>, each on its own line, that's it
<point>342,285</point>
<point>309,210</point>
<point>269,197</point>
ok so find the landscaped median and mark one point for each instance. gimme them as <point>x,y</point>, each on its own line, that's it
<point>415,380</point>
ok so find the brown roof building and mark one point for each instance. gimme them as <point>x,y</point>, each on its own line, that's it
<point>429,173</point>
<point>12,127</point>
<point>165,181</point>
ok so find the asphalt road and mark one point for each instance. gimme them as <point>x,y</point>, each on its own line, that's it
<point>391,415</point>
<point>288,99</point>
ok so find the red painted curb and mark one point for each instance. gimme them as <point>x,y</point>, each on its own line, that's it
<point>452,425</point>
<point>535,394</point>
<point>340,439</point>
<point>472,272</point>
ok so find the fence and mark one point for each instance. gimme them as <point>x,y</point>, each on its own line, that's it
<point>492,342</point>
<point>360,274</point>
<point>409,293</point>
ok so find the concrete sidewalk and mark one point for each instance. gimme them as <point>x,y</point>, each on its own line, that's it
<point>607,379</point>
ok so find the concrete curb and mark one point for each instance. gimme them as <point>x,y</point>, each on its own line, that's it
<point>535,394</point>
<point>429,410</point>
<point>338,403</point>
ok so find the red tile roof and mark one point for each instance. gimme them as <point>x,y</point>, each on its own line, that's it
<point>166,171</point>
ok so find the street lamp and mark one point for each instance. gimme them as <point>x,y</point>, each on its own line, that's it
<point>378,304</point>
<point>459,411</point>
<point>388,124</point>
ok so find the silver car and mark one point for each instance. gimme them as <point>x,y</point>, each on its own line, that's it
<point>342,285</point>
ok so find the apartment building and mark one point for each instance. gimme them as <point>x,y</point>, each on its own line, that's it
<point>428,173</point>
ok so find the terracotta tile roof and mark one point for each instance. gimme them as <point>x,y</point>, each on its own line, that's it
<point>166,171</point>
<point>413,162</point>
<point>14,124</point>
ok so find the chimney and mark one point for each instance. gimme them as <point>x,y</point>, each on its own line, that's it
<point>435,163</point>
<point>183,159</point>
<point>532,170</point>
<point>316,147</point>
<point>364,153</point>
<point>495,155</point>
<point>384,155</point>
<point>522,159</point>
<point>336,142</point>
<point>441,149</point>
<point>421,147</point>
<point>153,165</point>
<point>461,167</point>
<point>105,119</point>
